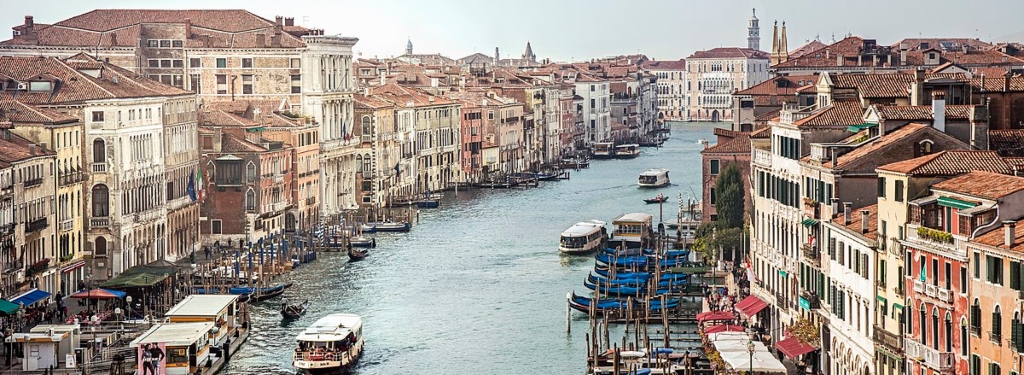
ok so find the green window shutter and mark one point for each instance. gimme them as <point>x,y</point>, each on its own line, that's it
<point>1017,335</point>
<point>1015,275</point>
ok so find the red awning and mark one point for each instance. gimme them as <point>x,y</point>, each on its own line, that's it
<point>750,306</point>
<point>792,347</point>
<point>714,316</point>
<point>723,328</point>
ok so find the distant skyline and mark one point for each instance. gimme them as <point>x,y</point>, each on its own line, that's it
<point>566,30</point>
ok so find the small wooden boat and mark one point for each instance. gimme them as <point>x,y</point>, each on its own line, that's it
<point>294,311</point>
<point>386,226</point>
<point>355,254</point>
<point>428,203</point>
<point>258,294</point>
<point>659,199</point>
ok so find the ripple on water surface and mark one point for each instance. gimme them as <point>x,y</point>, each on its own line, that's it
<point>478,287</point>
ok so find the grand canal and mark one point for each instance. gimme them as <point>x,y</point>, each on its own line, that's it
<point>478,286</point>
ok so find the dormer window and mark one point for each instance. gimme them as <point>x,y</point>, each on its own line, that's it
<point>925,147</point>
<point>40,86</point>
<point>931,56</point>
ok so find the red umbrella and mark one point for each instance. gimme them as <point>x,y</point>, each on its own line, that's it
<point>98,293</point>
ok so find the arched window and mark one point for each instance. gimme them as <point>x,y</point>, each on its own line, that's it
<point>99,151</point>
<point>250,200</point>
<point>100,201</point>
<point>359,163</point>
<point>366,130</point>
<point>949,332</point>
<point>976,316</point>
<point>964,346</point>
<point>250,172</point>
<point>997,324</point>
<point>935,328</point>
<point>923,322</point>
<point>925,147</point>
<point>366,163</point>
<point>101,246</point>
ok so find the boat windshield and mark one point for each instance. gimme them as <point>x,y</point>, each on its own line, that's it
<point>648,179</point>
<point>573,242</point>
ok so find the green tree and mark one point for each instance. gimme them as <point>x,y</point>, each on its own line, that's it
<point>729,197</point>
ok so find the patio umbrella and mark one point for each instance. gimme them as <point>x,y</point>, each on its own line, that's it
<point>99,293</point>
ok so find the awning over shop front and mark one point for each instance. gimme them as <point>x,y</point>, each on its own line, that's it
<point>792,347</point>
<point>955,203</point>
<point>750,306</point>
<point>7,307</point>
<point>30,297</point>
<point>808,222</point>
<point>714,316</point>
<point>723,328</point>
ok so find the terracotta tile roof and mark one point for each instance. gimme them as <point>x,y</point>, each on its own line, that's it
<point>982,184</point>
<point>665,65</point>
<point>20,113</point>
<point>764,132</point>
<point>807,89</point>
<point>806,48</point>
<point>891,85</point>
<point>401,96</point>
<point>780,85</point>
<point>768,116</point>
<point>855,221</point>
<point>363,101</point>
<point>231,143</point>
<point>837,114</point>
<point>18,149</point>
<point>875,151</point>
<point>231,28</point>
<point>729,53</point>
<point>951,163</point>
<point>849,48</point>
<point>961,112</point>
<point>940,43</point>
<point>740,144</point>
<point>995,238</point>
<point>1016,162</point>
<point>996,84</point>
<point>71,85</point>
<point>1007,142</point>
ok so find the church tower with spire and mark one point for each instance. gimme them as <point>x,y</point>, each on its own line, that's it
<point>408,47</point>
<point>754,32</point>
<point>528,54</point>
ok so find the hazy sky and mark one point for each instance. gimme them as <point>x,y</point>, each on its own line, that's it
<point>582,29</point>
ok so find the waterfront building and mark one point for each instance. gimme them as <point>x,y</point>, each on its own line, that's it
<point>597,120</point>
<point>847,345</point>
<point>222,55</point>
<point>61,134</point>
<point>939,269</point>
<point>713,75</point>
<point>731,148</point>
<point>897,182</point>
<point>379,151</point>
<point>13,272</point>
<point>125,117</point>
<point>32,194</point>
<point>670,87</point>
<point>768,97</point>
<point>250,176</point>
<point>995,299</point>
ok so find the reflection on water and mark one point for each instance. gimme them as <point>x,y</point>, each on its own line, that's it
<point>478,286</point>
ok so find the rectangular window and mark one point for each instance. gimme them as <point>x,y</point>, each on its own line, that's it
<point>222,84</point>
<point>194,83</point>
<point>165,63</point>
<point>152,43</point>
<point>1015,275</point>
<point>215,226</point>
<point>222,62</point>
<point>949,276</point>
<point>177,63</point>
<point>195,62</point>
<point>177,43</point>
<point>97,116</point>
<point>246,84</point>
<point>296,84</point>
<point>881,273</point>
<point>165,44</point>
<point>295,63</point>
<point>963,279</point>
<point>881,187</point>
<point>712,196</point>
<point>935,272</point>
<point>247,62</point>
<point>899,191</point>
<point>714,166</point>
<point>154,63</point>
<point>977,266</point>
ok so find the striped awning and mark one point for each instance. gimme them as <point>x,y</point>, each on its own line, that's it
<point>955,203</point>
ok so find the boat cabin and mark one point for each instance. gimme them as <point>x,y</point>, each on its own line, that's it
<point>603,150</point>
<point>220,309</point>
<point>653,178</point>
<point>334,341</point>
<point>186,346</point>
<point>583,237</point>
<point>633,228</point>
<point>627,151</point>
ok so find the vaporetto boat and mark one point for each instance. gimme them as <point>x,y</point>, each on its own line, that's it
<point>583,237</point>
<point>653,178</point>
<point>332,344</point>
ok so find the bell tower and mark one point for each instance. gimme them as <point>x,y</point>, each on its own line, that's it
<point>754,32</point>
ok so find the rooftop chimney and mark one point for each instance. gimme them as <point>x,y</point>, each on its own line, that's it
<point>839,59</point>
<point>32,150</point>
<point>939,110</point>
<point>289,21</point>
<point>113,40</point>
<point>835,207</point>
<point>188,28</point>
<point>864,214</point>
<point>278,21</point>
<point>846,212</point>
<point>29,22</point>
<point>1009,233</point>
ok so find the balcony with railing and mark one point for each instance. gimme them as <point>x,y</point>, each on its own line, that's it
<point>66,225</point>
<point>36,225</point>
<point>366,138</point>
<point>7,229</point>
<point>278,178</point>
<point>763,157</point>
<point>310,201</point>
<point>918,286</point>
<point>33,182</point>
<point>930,357</point>
<point>809,300</point>
<point>280,206</point>
<point>811,255</point>
<point>149,215</point>
<point>891,341</point>
<point>936,239</point>
<point>792,113</point>
<point>99,167</point>
<point>930,290</point>
<point>99,222</point>
<point>944,295</point>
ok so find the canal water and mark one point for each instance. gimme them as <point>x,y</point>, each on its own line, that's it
<point>478,286</point>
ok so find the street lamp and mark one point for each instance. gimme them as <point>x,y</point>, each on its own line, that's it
<point>128,300</point>
<point>750,348</point>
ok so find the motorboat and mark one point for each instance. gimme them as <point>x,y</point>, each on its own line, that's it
<point>627,151</point>
<point>603,150</point>
<point>633,229</point>
<point>386,226</point>
<point>331,344</point>
<point>583,237</point>
<point>653,178</point>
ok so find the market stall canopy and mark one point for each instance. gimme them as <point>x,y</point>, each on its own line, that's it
<point>714,316</point>
<point>142,276</point>
<point>734,347</point>
<point>30,297</point>
<point>7,307</point>
<point>792,347</point>
<point>723,328</point>
<point>750,306</point>
<point>99,293</point>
